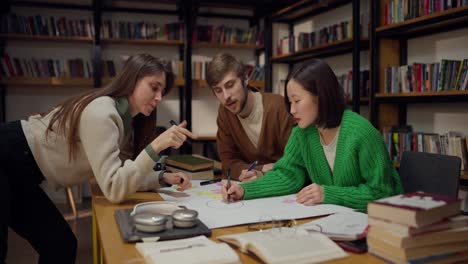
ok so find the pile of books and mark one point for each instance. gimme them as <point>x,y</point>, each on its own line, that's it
<point>195,167</point>
<point>418,228</point>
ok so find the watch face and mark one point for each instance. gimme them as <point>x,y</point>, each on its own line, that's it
<point>158,166</point>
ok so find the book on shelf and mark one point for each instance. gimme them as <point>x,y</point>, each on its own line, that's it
<point>399,11</point>
<point>190,250</point>
<point>404,230</point>
<point>414,209</point>
<point>446,75</point>
<point>189,162</point>
<point>286,245</point>
<point>40,25</point>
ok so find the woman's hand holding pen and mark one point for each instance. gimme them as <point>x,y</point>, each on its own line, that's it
<point>173,137</point>
<point>236,192</point>
<point>310,195</point>
<point>178,178</point>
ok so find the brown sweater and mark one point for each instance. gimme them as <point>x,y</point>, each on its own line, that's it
<point>235,149</point>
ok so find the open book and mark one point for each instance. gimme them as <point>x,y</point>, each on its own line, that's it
<point>195,250</point>
<point>286,245</point>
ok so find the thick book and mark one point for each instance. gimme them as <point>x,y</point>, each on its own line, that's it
<point>190,250</point>
<point>194,175</point>
<point>414,209</point>
<point>427,239</point>
<point>446,253</point>
<point>286,245</point>
<point>189,162</point>
<point>403,230</point>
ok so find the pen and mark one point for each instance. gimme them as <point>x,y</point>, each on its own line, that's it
<point>228,184</point>
<point>252,166</point>
<point>210,181</point>
<point>172,122</point>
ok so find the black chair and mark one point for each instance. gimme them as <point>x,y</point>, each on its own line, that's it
<point>431,173</point>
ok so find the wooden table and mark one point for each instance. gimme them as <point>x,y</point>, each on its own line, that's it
<point>109,246</point>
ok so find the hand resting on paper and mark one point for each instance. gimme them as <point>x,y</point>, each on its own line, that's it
<point>178,178</point>
<point>236,192</point>
<point>252,175</point>
<point>310,195</point>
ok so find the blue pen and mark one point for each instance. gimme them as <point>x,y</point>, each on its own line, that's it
<point>254,164</point>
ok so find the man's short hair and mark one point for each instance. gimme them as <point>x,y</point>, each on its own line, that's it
<point>221,65</point>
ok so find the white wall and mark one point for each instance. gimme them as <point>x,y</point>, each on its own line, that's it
<point>444,117</point>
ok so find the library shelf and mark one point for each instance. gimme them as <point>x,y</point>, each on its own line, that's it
<point>47,81</point>
<point>227,45</point>
<point>320,51</point>
<point>44,38</point>
<point>306,8</point>
<point>447,20</point>
<point>422,97</point>
<point>143,42</point>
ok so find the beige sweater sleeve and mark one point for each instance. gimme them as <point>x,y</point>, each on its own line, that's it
<point>100,131</point>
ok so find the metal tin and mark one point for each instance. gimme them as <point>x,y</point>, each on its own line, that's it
<point>185,218</point>
<point>150,222</point>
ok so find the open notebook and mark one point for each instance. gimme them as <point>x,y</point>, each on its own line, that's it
<point>195,250</point>
<point>286,245</point>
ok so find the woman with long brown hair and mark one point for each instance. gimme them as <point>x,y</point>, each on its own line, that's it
<point>107,133</point>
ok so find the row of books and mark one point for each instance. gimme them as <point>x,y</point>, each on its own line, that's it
<point>397,11</point>
<point>323,36</point>
<point>142,30</point>
<point>39,68</point>
<point>346,82</point>
<point>399,139</point>
<point>423,77</point>
<point>200,64</point>
<point>227,35</point>
<point>46,26</point>
<point>418,228</point>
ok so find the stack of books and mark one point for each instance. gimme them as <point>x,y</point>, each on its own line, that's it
<point>418,228</point>
<point>195,167</point>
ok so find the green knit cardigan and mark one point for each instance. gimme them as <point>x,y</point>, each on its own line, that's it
<point>363,171</point>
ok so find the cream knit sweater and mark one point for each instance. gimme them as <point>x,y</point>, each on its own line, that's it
<point>104,148</point>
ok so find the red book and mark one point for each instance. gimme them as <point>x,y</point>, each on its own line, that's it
<point>414,209</point>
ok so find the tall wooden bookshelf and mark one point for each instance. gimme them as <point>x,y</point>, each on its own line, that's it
<point>389,47</point>
<point>301,10</point>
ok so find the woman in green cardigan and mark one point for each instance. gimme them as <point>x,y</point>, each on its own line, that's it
<point>333,155</point>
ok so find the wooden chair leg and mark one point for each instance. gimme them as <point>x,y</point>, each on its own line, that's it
<point>72,202</point>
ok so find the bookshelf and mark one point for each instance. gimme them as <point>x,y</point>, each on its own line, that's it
<point>7,37</point>
<point>300,11</point>
<point>51,81</point>
<point>390,47</point>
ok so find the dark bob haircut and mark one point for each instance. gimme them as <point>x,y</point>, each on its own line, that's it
<point>318,79</point>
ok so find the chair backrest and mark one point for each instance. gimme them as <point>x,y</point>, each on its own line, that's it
<point>431,173</point>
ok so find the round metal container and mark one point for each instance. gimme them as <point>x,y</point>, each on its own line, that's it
<point>148,222</point>
<point>185,218</point>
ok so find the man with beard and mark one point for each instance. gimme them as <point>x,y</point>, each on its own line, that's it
<point>252,126</point>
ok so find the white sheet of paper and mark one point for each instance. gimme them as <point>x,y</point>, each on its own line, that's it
<point>215,213</point>
<point>342,225</point>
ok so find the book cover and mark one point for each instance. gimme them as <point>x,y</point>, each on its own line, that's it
<point>414,209</point>
<point>189,162</point>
